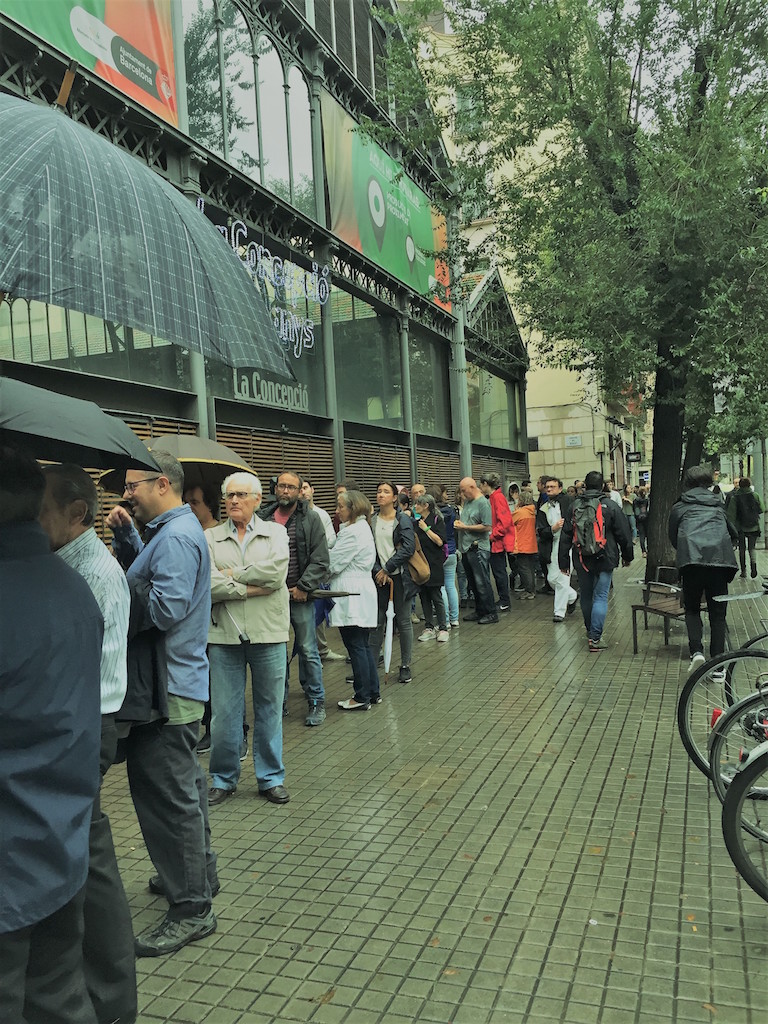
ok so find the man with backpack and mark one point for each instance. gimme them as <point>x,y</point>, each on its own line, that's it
<point>744,511</point>
<point>597,532</point>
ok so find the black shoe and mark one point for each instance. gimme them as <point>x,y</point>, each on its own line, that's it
<point>545,590</point>
<point>463,603</point>
<point>487,620</point>
<point>156,886</point>
<point>500,607</point>
<point>405,674</point>
<point>754,572</point>
<point>275,795</point>
<point>572,605</point>
<point>170,936</point>
<point>218,796</point>
<point>472,617</point>
<point>558,618</point>
<point>286,712</point>
<point>376,699</point>
<point>204,743</point>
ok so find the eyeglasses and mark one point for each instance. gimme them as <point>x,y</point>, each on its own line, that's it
<point>286,487</point>
<point>240,495</point>
<point>131,487</point>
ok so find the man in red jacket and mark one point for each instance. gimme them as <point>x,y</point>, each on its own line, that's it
<point>502,535</point>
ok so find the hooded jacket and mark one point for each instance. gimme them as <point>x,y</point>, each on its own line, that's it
<point>700,532</point>
<point>618,537</point>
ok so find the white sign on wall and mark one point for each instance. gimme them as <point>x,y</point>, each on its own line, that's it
<point>573,440</point>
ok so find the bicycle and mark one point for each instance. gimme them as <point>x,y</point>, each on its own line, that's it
<point>735,734</point>
<point>745,820</point>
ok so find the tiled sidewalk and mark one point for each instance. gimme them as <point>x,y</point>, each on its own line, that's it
<point>515,837</point>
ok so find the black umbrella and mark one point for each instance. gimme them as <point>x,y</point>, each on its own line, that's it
<point>87,226</point>
<point>56,428</point>
<point>206,463</point>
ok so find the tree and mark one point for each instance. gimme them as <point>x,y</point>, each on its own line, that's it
<point>626,145</point>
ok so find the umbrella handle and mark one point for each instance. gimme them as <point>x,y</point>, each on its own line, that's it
<point>391,589</point>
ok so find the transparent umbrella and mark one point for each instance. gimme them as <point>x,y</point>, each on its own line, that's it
<point>389,632</point>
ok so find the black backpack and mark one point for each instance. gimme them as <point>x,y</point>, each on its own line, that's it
<point>747,510</point>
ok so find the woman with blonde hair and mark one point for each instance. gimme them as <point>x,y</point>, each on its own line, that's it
<point>352,559</point>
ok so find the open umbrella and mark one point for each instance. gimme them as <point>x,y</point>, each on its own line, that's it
<point>389,632</point>
<point>206,463</point>
<point>56,428</point>
<point>87,226</point>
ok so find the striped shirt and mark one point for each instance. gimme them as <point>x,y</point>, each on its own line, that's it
<point>88,556</point>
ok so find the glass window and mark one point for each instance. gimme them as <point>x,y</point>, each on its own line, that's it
<point>367,360</point>
<point>488,408</point>
<point>242,126</point>
<point>201,61</point>
<point>274,130</point>
<point>428,362</point>
<point>301,143</point>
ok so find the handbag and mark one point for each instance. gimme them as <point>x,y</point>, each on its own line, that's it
<point>418,566</point>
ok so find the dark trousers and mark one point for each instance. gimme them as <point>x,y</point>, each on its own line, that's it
<point>526,566</point>
<point>479,579</point>
<point>499,570</point>
<point>169,794</point>
<point>364,662</point>
<point>642,533</point>
<point>41,971</point>
<point>402,618</point>
<point>711,582</point>
<point>432,598</point>
<point>108,957</point>
<point>747,542</point>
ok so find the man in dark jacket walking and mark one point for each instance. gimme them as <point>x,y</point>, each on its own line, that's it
<point>595,571</point>
<point>308,568</point>
<point>703,537</point>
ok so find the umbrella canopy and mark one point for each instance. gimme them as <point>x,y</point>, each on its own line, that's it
<point>87,226</point>
<point>389,631</point>
<point>56,428</point>
<point>206,463</point>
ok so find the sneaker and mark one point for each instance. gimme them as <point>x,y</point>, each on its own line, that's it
<point>558,618</point>
<point>528,597</point>
<point>315,712</point>
<point>376,699</point>
<point>428,634</point>
<point>204,743</point>
<point>353,705</point>
<point>696,660</point>
<point>442,636</point>
<point>415,618</point>
<point>595,646</point>
<point>170,935</point>
<point>501,607</point>
<point>718,676</point>
<point>244,750</point>
<point>332,656</point>
<point>472,617</point>
<point>405,674</point>
<point>455,625</point>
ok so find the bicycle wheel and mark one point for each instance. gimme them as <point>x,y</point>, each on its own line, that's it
<point>736,733</point>
<point>746,803</point>
<point>760,642</point>
<point>711,689</point>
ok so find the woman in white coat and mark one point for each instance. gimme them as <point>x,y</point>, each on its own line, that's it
<point>352,558</point>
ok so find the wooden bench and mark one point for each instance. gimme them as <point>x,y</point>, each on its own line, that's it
<point>658,599</point>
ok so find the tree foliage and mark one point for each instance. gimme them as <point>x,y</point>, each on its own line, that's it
<point>622,149</point>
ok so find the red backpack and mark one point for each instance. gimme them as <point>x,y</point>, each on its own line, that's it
<point>589,537</point>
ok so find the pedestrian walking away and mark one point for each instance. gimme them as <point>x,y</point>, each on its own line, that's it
<point>744,512</point>
<point>703,538</point>
<point>595,535</point>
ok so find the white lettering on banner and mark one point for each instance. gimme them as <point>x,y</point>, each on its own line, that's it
<point>292,285</point>
<point>250,386</point>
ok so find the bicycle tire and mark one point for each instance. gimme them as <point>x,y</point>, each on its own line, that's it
<point>754,641</point>
<point>747,800</point>
<point>702,695</point>
<point>739,730</point>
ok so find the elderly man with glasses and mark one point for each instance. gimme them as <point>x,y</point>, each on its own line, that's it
<point>169,578</point>
<point>249,629</point>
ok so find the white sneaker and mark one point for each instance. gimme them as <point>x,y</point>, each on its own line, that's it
<point>697,660</point>
<point>718,676</point>
<point>442,636</point>
<point>428,634</point>
<point>332,656</point>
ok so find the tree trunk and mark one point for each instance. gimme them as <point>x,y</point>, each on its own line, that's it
<point>694,450</point>
<point>667,458</point>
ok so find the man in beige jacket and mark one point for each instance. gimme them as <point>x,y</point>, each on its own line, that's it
<point>250,620</point>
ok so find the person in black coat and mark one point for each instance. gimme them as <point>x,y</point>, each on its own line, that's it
<point>703,537</point>
<point>431,532</point>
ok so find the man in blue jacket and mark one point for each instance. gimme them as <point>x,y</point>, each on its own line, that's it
<point>51,633</point>
<point>169,576</point>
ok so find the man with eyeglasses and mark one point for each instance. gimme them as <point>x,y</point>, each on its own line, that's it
<point>169,576</point>
<point>308,568</point>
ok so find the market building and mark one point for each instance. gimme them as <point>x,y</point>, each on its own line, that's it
<point>252,110</point>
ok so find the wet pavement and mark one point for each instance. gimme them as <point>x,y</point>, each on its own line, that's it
<point>516,836</point>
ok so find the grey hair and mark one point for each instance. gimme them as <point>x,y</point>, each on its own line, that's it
<point>252,480</point>
<point>69,483</point>
<point>425,499</point>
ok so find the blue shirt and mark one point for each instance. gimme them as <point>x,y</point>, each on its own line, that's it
<point>170,573</point>
<point>50,726</point>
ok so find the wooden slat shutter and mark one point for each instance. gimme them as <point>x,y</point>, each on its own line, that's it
<point>368,462</point>
<point>437,467</point>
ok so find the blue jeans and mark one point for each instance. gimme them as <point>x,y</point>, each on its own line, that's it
<point>450,594</point>
<point>364,669</point>
<point>593,591</point>
<point>310,666</point>
<point>477,566</point>
<point>228,665</point>
<point>461,580</point>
